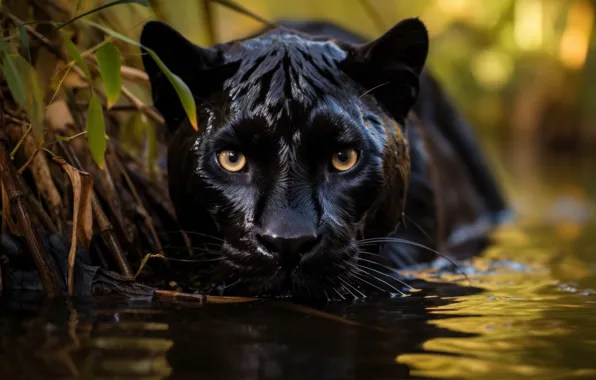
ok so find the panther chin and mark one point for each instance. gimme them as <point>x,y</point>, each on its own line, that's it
<point>261,273</point>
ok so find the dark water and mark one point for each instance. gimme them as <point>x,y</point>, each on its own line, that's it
<point>530,313</point>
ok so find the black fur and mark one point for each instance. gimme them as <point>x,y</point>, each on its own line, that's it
<point>288,101</point>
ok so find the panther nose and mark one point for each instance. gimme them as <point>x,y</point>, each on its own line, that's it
<point>289,249</point>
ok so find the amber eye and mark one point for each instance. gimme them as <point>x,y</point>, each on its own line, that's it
<point>231,160</point>
<point>344,159</point>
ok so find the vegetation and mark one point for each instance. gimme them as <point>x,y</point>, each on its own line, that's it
<point>78,147</point>
<point>82,149</point>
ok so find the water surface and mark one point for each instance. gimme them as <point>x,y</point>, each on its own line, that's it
<point>530,312</point>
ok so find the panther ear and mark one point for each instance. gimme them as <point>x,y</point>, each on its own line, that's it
<point>185,59</point>
<point>390,66</point>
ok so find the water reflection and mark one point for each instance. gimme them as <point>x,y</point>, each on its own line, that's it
<point>516,321</point>
<point>528,314</point>
<point>528,322</point>
<point>104,338</point>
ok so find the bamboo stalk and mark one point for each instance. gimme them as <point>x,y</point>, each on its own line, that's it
<point>18,203</point>
<point>107,232</point>
<point>43,217</point>
<point>39,169</point>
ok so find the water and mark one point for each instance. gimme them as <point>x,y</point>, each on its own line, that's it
<point>530,313</point>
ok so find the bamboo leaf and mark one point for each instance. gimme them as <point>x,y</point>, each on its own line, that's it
<point>113,33</point>
<point>24,85</point>
<point>108,59</point>
<point>24,41</point>
<point>13,78</point>
<point>76,55</point>
<point>184,93</point>
<point>96,131</point>
<point>102,7</point>
<point>82,222</point>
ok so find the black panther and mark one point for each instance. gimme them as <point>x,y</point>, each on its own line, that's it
<point>314,152</point>
<point>322,161</point>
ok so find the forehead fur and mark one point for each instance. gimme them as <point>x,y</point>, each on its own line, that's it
<point>281,72</point>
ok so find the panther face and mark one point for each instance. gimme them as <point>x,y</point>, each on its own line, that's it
<point>301,151</point>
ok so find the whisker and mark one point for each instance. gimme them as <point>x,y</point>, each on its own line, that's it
<point>338,293</point>
<point>352,274</point>
<point>398,240</point>
<point>361,279</point>
<point>201,250</point>
<point>195,233</point>
<point>400,264</point>
<point>190,260</point>
<point>348,285</point>
<point>232,284</point>
<point>361,268</point>
<point>417,225</point>
<point>197,247</point>
<point>374,88</point>
<point>346,289</point>
<point>385,274</point>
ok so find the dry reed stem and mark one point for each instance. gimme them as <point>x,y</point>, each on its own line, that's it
<point>106,229</point>
<point>75,179</point>
<point>39,169</point>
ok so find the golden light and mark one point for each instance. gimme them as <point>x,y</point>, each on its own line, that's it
<point>575,40</point>
<point>461,9</point>
<point>528,26</point>
<point>492,68</point>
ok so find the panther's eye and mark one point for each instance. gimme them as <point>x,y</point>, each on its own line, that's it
<point>231,160</point>
<point>344,159</point>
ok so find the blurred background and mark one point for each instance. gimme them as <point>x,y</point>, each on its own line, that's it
<point>522,73</point>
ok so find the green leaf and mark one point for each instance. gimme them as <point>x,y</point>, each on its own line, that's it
<point>102,7</point>
<point>24,85</point>
<point>13,78</point>
<point>24,41</point>
<point>34,102</point>
<point>113,33</point>
<point>96,131</point>
<point>74,53</point>
<point>108,59</point>
<point>184,93</point>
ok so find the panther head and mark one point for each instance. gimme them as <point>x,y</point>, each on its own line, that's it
<point>301,150</point>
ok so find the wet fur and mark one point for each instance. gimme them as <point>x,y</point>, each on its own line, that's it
<point>288,100</point>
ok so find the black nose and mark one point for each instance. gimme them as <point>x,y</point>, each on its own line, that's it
<point>289,249</point>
